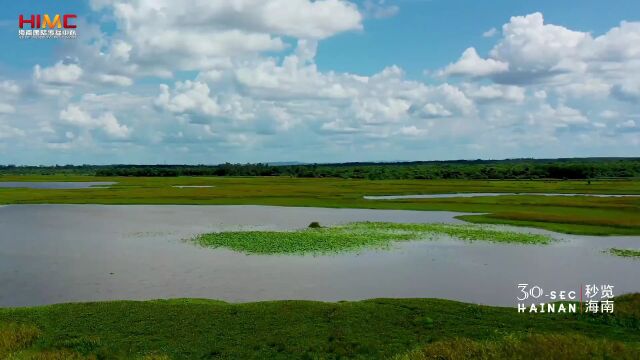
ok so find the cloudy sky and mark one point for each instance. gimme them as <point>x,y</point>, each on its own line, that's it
<point>210,81</point>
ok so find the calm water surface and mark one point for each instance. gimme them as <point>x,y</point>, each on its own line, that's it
<point>55,184</point>
<point>63,253</point>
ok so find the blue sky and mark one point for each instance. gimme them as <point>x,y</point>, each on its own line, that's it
<point>330,80</point>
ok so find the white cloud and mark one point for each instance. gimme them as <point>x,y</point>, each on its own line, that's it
<point>198,34</point>
<point>189,97</point>
<point>119,80</point>
<point>490,33</point>
<point>58,74</point>
<point>627,92</point>
<point>560,116</point>
<point>7,108</point>
<point>532,47</point>
<point>9,87</point>
<point>629,124</point>
<point>495,92</point>
<point>339,126</point>
<point>472,65</point>
<point>112,127</point>
<point>9,132</point>
<point>107,122</point>
<point>379,9</point>
<point>574,63</point>
<point>609,114</point>
<point>433,110</point>
<point>413,131</point>
<point>249,88</point>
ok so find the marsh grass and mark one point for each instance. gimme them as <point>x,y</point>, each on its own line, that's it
<point>370,329</point>
<point>356,236</point>
<point>632,253</point>
<point>14,337</point>
<point>18,342</point>
<point>536,346</point>
<point>49,355</point>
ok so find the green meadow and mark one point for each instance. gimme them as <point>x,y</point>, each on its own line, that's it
<point>370,329</point>
<point>578,215</point>
<point>354,237</point>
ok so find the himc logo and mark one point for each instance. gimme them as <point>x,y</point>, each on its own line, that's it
<point>38,26</point>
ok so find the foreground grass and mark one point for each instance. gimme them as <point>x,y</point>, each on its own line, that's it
<point>355,236</point>
<point>371,329</point>
<point>625,252</point>
<point>579,215</point>
<point>543,347</point>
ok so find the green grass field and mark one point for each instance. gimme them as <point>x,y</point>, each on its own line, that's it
<point>354,237</point>
<point>579,215</point>
<point>371,329</point>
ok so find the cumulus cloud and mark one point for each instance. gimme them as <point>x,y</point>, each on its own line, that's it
<point>58,74</point>
<point>560,116</point>
<point>432,110</point>
<point>573,63</point>
<point>629,124</point>
<point>196,35</point>
<point>7,108</point>
<point>532,47</point>
<point>627,92</point>
<point>9,132</point>
<point>412,131</point>
<point>495,92</point>
<point>189,97</point>
<point>490,33</point>
<point>252,82</point>
<point>278,96</point>
<point>472,65</point>
<point>107,122</point>
<point>9,87</point>
<point>380,9</point>
<point>115,79</point>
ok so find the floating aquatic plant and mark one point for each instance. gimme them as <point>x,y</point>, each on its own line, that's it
<point>356,236</point>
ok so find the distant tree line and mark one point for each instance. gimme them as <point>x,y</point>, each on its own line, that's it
<point>570,168</point>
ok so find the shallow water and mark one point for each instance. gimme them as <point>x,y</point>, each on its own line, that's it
<point>55,184</point>
<point>467,195</point>
<point>62,253</point>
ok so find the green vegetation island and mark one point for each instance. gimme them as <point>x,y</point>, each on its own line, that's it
<point>631,253</point>
<point>317,240</point>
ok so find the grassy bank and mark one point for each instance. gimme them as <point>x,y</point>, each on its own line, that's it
<point>188,329</point>
<point>580,215</point>
<point>355,236</point>
<point>542,347</point>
